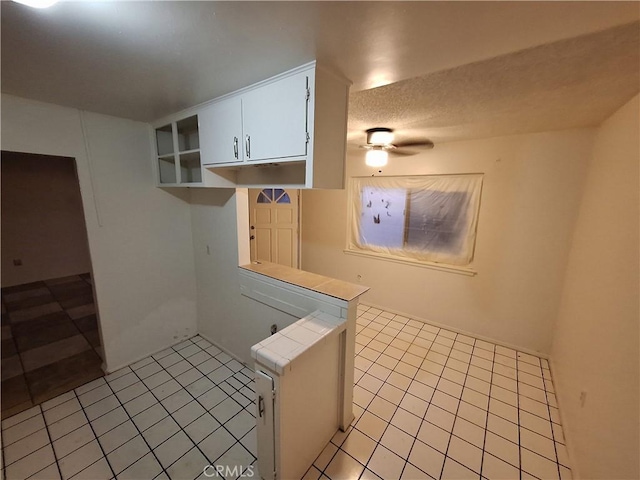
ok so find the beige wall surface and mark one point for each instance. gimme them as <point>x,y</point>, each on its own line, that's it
<point>530,198</point>
<point>139,235</point>
<point>595,347</point>
<point>42,219</point>
<point>233,321</point>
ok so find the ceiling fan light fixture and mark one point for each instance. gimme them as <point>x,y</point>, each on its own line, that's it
<point>376,157</point>
<point>379,136</point>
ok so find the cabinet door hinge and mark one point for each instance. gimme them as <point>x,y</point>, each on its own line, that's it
<point>308,93</point>
<point>308,137</point>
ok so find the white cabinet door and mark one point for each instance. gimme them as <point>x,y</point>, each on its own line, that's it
<point>275,119</point>
<point>264,425</point>
<point>221,132</point>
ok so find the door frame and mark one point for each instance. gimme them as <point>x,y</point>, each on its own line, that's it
<point>298,237</point>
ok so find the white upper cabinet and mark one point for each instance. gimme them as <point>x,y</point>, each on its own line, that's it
<point>264,123</point>
<point>178,153</point>
<point>288,131</point>
<point>274,119</point>
<point>221,139</point>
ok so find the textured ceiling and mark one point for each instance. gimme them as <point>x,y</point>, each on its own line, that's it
<point>566,84</point>
<point>143,60</point>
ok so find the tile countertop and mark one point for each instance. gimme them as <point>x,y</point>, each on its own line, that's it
<point>281,349</point>
<point>318,283</point>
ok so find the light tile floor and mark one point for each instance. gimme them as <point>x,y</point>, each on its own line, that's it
<point>429,403</point>
<point>167,416</point>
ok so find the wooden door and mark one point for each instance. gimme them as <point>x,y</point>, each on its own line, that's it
<point>273,217</point>
<point>274,119</point>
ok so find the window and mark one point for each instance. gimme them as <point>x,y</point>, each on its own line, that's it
<point>273,195</point>
<point>420,219</point>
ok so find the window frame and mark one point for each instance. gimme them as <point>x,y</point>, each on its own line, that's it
<point>353,215</point>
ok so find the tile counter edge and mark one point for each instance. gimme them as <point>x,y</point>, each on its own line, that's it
<point>280,350</point>
<point>318,283</point>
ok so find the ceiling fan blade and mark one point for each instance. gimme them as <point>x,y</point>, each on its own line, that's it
<point>403,153</point>
<point>424,143</point>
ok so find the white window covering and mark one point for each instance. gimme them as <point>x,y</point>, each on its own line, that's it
<point>426,218</point>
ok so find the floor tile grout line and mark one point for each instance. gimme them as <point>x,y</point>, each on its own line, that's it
<point>354,423</point>
<point>206,410</point>
<point>169,415</point>
<point>75,475</point>
<point>490,383</point>
<point>242,408</point>
<point>234,387</point>
<point>415,437</point>
<point>429,403</point>
<point>51,441</point>
<point>518,411</point>
<point>71,414</point>
<point>151,450</point>
<point>455,415</point>
<point>5,464</point>
<point>459,400</point>
<point>183,387</point>
<point>527,384</point>
<point>553,433</point>
<point>20,423</point>
<point>106,431</point>
<point>405,392</point>
<point>522,394</point>
<point>42,469</point>
<point>172,377</point>
<point>486,428</point>
<point>378,442</point>
<point>95,437</point>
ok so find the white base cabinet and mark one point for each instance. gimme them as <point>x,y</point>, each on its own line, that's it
<point>304,372</point>
<point>265,423</point>
<point>298,412</point>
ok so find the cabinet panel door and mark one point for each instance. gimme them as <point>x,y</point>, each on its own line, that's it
<point>265,427</point>
<point>221,132</point>
<point>275,119</point>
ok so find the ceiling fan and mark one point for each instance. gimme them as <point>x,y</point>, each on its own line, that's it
<point>380,143</point>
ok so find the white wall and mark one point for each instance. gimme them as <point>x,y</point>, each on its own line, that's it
<point>530,198</point>
<point>595,347</point>
<point>42,219</point>
<point>139,235</point>
<point>225,316</point>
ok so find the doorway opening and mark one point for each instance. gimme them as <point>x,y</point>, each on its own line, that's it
<point>274,226</point>
<point>51,339</point>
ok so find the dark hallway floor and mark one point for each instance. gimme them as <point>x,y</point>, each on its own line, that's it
<point>50,340</point>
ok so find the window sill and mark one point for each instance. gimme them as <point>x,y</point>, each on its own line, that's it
<point>469,272</point>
